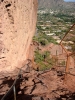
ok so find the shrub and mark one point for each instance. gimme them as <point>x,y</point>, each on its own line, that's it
<point>42,66</point>
<point>44,39</point>
<point>46,54</point>
<point>38,57</point>
<point>43,60</point>
<point>43,42</point>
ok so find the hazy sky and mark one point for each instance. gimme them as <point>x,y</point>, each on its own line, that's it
<point>70,0</point>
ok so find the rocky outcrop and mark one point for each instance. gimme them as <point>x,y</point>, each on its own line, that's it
<point>17,27</point>
<point>39,85</point>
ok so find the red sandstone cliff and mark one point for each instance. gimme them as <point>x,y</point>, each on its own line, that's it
<point>17,27</point>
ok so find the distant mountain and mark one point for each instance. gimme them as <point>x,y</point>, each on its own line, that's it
<point>55,4</point>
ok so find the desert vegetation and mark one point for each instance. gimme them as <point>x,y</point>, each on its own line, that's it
<point>43,60</point>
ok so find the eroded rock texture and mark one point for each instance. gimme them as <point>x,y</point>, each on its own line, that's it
<point>17,26</point>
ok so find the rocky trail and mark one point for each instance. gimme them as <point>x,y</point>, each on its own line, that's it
<point>40,85</point>
<point>30,84</point>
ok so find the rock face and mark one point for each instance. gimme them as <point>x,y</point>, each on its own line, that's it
<point>17,27</point>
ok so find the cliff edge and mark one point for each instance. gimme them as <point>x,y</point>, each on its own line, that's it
<point>17,27</point>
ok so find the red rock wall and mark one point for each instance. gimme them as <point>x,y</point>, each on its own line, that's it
<point>17,27</point>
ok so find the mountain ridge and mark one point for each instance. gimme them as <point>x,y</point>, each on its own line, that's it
<point>55,4</point>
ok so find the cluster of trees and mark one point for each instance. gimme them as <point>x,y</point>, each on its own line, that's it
<point>44,39</point>
<point>65,17</point>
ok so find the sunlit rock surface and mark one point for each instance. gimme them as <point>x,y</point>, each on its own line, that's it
<point>17,27</point>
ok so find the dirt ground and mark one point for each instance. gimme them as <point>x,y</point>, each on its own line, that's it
<point>52,84</point>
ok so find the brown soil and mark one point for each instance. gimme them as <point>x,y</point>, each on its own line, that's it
<point>52,84</point>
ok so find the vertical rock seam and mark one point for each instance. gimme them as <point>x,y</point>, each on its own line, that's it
<point>17,27</point>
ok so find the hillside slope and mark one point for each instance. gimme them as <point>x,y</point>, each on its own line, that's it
<point>56,4</point>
